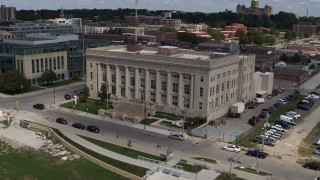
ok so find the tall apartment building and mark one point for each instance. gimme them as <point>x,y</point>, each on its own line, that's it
<point>7,13</point>
<point>202,83</point>
<point>22,29</point>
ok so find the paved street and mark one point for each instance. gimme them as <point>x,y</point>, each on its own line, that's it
<point>192,147</point>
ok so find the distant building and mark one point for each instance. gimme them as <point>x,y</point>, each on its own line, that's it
<point>6,35</point>
<point>309,29</point>
<point>91,29</point>
<point>75,22</point>
<point>230,31</point>
<point>263,83</point>
<point>7,13</point>
<point>174,23</point>
<point>265,62</point>
<point>131,21</point>
<point>254,9</point>
<point>22,29</point>
<point>231,48</point>
<point>288,74</point>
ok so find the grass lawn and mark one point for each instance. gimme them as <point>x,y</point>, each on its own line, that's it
<point>166,123</point>
<point>246,139</point>
<point>228,176</point>
<point>136,170</point>
<point>30,89</point>
<point>206,160</point>
<point>120,150</point>
<point>168,116</point>
<point>61,83</point>
<point>31,164</point>
<point>190,168</point>
<point>93,106</point>
<point>309,142</point>
<point>148,121</point>
<point>253,171</point>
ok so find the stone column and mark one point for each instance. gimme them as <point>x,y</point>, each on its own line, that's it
<point>108,77</point>
<point>137,84</point>
<point>180,91</point>
<point>147,86</point>
<point>158,88</point>
<point>98,77</point>
<point>127,83</point>
<point>118,92</point>
<point>191,92</point>
<point>169,89</point>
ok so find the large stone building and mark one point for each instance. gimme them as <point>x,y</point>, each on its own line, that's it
<point>254,9</point>
<point>201,83</point>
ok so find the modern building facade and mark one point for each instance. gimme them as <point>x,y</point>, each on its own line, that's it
<point>254,9</point>
<point>200,83</point>
<point>22,29</point>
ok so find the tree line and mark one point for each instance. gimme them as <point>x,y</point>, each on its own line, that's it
<point>281,20</point>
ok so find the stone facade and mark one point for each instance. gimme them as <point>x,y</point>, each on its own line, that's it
<point>254,9</point>
<point>175,80</point>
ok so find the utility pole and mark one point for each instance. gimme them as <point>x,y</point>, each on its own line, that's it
<point>143,108</point>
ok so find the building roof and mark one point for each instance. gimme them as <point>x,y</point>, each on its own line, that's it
<point>289,71</point>
<point>6,33</point>
<point>261,58</point>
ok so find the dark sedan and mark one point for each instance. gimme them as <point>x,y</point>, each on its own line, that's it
<point>38,106</point>
<point>257,153</point>
<point>78,126</point>
<point>61,121</point>
<point>312,165</point>
<point>93,129</point>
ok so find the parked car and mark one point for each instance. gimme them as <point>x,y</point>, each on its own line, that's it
<point>271,109</point>
<point>279,128</point>
<point>304,107</point>
<point>283,124</point>
<point>312,165</point>
<point>80,93</point>
<point>93,129</point>
<point>67,96</point>
<point>269,141</point>
<point>316,151</point>
<point>313,96</point>
<point>61,121</point>
<point>293,114</point>
<point>176,136</point>
<point>269,96</point>
<point>281,90</point>
<point>78,126</point>
<point>277,105</point>
<point>305,102</point>
<point>38,106</point>
<point>318,142</point>
<point>257,153</point>
<point>316,93</point>
<point>251,105</point>
<point>287,119</point>
<point>281,101</point>
<point>232,148</point>
<point>260,100</point>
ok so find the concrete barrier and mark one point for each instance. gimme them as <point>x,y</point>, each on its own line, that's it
<point>94,160</point>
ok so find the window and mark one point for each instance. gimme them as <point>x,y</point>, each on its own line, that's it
<point>131,69</point>
<point>113,78</point>
<point>121,68</point>
<point>163,98</point>
<point>153,84</point>
<point>153,96</point>
<point>142,71</point>
<point>217,102</point>
<point>201,78</point>
<point>228,85</point>
<point>222,100</point>
<point>91,75</point>
<point>186,102</point>
<point>104,77</point>
<point>123,80</point>
<point>50,63</point>
<point>37,63</point>
<point>132,81</point>
<point>218,89</point>
<point>33,66</point>
<point>46,64</point>
<point>123,92</point>
<point>113,90</point>
<point>175,87</point>
<point>222,87</point>
<point>200,105</point>
<point>163,74</point>
<point>54,63</point>
<point>58,60</point>
<point>91,86</point>
<point>42,65</point>
<point>186,89</point>
<point>187,77</point>
<point>152,72</point>
<point>111,67</point>
<point>201,91</point>
<point>90,64</point>
<point>164,86</point>
<point>175,75</point>
<point>175,100</point>
<point>142,83</point>
<point>224,74</point>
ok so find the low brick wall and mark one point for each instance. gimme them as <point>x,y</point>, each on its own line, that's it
<point>96,161</point>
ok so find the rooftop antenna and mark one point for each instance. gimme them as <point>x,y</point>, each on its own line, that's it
<point>307,13</point>
<point>61,12</point>
<point>136,36</point>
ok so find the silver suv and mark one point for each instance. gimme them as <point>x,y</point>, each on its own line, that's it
<point>176,136</point>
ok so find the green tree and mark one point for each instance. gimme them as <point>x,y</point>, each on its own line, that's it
<point>270,40</point>
<point>296,58</point>
<point>129,143</point>
<point>240,33</point>
<point>167,29</point>
<point>85,95</point>
<point>312,66</point>
<point>75,76</point>
<point>48,76</point>
<point>13,81</point>
<point>217,35</point>
<point>103,94</point>
<point>306,35</point>
<point>274,31</point>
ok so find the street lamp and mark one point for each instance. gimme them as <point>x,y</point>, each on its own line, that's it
<point>107,89</point>
<point>265,127</point>
<point>143,108</point>
<point>45,85</point>
<point>21,88</point>
<point>183,119</point>
<point>54,94</point>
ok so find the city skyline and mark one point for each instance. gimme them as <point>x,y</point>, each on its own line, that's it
<point>301,8</point>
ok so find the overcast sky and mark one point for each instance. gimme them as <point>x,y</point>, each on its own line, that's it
<point>295,6</point>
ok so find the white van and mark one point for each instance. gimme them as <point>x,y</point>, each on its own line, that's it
<point>287,119</point>
<point>260,100</point>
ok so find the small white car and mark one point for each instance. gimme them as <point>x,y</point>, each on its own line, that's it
<point>293,114</point>
<point>318,142</point>
<point>313,96</point>
<point>281,101</point>
<point>232,148</point>
<point>279,128</point>
<point>269,134</point>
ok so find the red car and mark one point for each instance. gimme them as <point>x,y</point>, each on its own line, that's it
<point>61,121</point>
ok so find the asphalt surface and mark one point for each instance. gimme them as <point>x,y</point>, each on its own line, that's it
<point>193,147</point>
